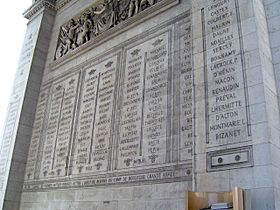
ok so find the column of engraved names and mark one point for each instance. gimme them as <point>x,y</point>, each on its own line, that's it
<point>17,94</point>
<point>37,133</point>
<point>103,129</point>
<point>143,124</point>
<point>86,117</point>
<point>156,131</point>
<point>7,138</point>
<point>26,55</point>
<point>65,130</point>
<point>186,88</point>
<point>225,74</point>
<point>94,133</point>
<point>129,145</point>
<point>59,128</point>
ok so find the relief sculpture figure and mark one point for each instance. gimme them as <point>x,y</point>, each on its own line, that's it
<point>67,39</point>
<point>84,29</point>
<point>146,3</point>
<point>70,36</point>
<point>113,6</point>
<point>97,20</point>
<point>133,7</point>
<point>100,18</point>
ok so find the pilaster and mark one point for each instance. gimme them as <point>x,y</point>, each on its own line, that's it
<point>244,80</point>
<point>23,101</point>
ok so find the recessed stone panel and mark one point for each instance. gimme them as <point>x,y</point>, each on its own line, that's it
<point>114,115</point>
<point>93,140</point>
<point>59,127</point>
<point>144,109</point>
<point>31,170</point>
<point>227,110</point>
<point>230,158</point>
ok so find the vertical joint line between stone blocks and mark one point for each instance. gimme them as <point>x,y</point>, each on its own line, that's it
<point>205,74</point>
<point>94,117</point>
<point>244,74</point>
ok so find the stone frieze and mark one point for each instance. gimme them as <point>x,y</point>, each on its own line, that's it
<point>95,20</point>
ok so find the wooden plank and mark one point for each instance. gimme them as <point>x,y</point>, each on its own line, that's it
<point>238,199</point>
<point>198,200</point>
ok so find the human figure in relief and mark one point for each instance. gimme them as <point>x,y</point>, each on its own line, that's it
<point>84,29</point>
<point>70,36</point>
<point>60,50</point>
<point>113,6</point>
<point>133,7</point>
<point>145,3</point>
<point>97,20</point>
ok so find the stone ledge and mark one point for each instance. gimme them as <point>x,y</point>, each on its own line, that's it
<point>38,6</point>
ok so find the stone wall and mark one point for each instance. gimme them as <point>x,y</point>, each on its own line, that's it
<point>101,75</point>
<point>158,196</point>
<point>151,102</point>
<point>272,15</point>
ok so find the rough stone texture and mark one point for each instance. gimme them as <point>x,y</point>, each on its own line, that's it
<point>182,96</point>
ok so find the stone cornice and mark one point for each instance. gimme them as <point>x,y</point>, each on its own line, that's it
<point>62,3</point>
<point>37,6</point>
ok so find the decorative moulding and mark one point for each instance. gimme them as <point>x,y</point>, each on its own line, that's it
<point>62,3</point>
<point>230,158</point>
<point>38,6</point>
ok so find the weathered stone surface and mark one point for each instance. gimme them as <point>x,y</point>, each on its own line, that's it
<point>142,101</point>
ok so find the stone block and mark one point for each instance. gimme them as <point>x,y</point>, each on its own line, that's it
<point>263,177</point>
<point>262,199</point>
<point>219,181</point>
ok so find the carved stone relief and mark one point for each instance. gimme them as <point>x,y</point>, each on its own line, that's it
<point>96,20</point>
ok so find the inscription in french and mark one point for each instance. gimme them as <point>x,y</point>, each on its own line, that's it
<point>12,120</point>
<point>226,93</point>
<point>144,123</point>
<point>95,121</point>
<point>117,117</point>
<point>59,128</point>
<point>8,135</point>
<point>186,89</point>
<point>37,134</point>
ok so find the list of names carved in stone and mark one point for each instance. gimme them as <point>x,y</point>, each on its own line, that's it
<point>17,94</point>
<point>144,107</point>
<point>58,135</point>
<point>186,88</point>
<point>37,134</point>
<point>26,56</point>
<point>95,121</point>
<point>117,113</point>
<point>8,135</point>
<point>225,76</point>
